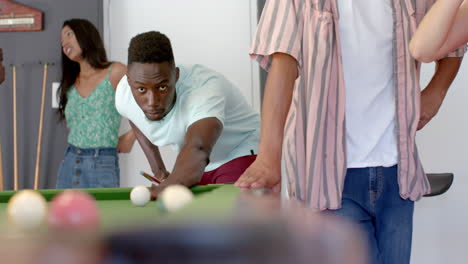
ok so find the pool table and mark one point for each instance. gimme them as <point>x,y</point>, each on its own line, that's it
<point>117,211</point>
<point>221,225</point>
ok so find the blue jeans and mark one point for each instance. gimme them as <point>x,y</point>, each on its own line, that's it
<point>89,168</point>
<point>371,199</point>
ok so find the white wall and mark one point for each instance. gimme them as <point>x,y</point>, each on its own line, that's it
<point>210,32</point>
<point>441,222</point>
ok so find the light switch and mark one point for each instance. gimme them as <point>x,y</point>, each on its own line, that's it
<point>55,86</point>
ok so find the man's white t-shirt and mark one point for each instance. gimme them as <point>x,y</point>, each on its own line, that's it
<point>201,93</point>
<point>366,32</point>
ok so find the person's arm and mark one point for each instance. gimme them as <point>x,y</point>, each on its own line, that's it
<point>126,142</point>
<point>117,72</point>
<point>2,69</point>
<point>152,154</point>
<point>194,155</point>
<point>266,170</point>
<point>434,93</point>
<point>442,30</point>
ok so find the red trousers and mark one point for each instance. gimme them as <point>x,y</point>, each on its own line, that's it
<point>228,172</point>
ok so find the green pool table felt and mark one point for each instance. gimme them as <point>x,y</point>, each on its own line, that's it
<point>117,211</point>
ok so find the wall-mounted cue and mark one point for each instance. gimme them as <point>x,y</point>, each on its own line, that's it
<point>2,77</point>
<point>41,125</point>
<point>15,135</point>
<point>1,166</point>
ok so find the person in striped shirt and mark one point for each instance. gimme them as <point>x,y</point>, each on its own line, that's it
<point>343,93</point>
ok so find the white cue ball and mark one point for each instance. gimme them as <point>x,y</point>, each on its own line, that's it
<point>27,209</point>
<point>140,195</point>
<point>175,197</point>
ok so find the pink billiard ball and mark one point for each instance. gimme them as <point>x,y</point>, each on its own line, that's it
<point>73,210</point>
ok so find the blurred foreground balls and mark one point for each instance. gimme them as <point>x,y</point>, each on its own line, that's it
<point>27,209</point>
<point>74,210</point>
<point>174,197</point>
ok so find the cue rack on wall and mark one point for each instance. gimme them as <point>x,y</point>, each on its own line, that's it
<point>15,17</point>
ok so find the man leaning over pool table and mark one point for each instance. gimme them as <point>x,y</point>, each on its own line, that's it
<point>197,111</point>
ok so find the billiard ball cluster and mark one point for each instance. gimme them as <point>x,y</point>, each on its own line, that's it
<point>77,210</point>
<point>172,198</point>
<point>68,210</point>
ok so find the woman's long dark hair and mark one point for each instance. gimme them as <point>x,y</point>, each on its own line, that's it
<point>93,52</point>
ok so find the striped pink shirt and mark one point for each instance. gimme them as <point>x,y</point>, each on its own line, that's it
<point>315,134</point>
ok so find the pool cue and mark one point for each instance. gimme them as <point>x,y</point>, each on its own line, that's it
<point>1,162</point>
<point>41,124</point>
<point>15,136</point>
<point>1,150</point>
<point>1,165</point>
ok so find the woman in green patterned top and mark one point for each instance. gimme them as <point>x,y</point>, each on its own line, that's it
<point>87,103</point>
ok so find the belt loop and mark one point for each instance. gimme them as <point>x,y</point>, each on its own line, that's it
<point>96,152</point>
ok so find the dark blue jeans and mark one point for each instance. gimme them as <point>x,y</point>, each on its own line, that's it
<point>371,199</point>
<point>89,168</point>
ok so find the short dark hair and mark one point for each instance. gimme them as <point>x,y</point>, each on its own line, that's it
<point>150,47</point>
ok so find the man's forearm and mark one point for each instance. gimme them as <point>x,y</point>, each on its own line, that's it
<point>151,152</point>
<point>199,141</point>
<point>276,104</point>
<point>445,73</point>
<point>189,166</point>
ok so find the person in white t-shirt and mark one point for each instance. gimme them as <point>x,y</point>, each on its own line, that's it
<point>193,109</point>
